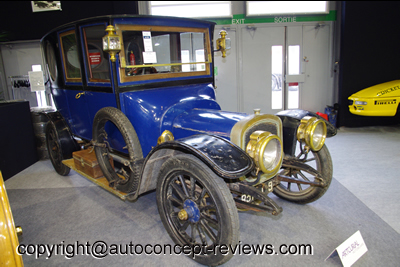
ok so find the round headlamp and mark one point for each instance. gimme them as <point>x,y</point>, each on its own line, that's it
<point>312,131</point>
<point>266,150</point>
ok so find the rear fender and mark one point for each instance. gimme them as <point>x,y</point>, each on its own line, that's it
<point>68,143</point>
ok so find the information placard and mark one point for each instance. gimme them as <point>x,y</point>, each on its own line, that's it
<point>350,250</point>
<point>36,80</point>
<point>148,45</point>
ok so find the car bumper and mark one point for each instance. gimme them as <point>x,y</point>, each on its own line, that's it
<point>374,106</point>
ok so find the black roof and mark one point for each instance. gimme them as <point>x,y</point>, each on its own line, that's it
<point>111,17</point>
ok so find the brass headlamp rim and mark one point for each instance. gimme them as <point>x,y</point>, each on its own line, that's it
<point>256,147</point>
<point>306,129</point>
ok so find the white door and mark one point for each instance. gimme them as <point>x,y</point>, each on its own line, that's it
<point>226,79</point>
<point>317,66</point>
<point>262,53</point>
<point>275,67</point>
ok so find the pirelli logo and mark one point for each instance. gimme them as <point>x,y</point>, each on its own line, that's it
<point>385,102</point>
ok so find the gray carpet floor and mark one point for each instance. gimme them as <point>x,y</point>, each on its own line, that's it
<point>366,161</point>
<point>64,210</point>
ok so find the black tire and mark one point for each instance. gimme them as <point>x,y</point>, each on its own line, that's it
<point>55,149</point>
<point>185,180</point>
<point>397,115</point>
<point>134,150</point>
<point>301,193</point>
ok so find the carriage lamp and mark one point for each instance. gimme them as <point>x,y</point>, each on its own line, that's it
<point>312,131</point>
<point>111,42</point>
<point>223,43</point>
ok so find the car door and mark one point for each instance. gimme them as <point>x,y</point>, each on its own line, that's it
<point>86,68</point>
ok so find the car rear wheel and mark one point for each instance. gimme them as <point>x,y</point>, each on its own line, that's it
<point>55,149</point>
<point>124,177</point>
<point>197,209</point>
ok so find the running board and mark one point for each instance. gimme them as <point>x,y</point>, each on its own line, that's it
<point>102,181</point>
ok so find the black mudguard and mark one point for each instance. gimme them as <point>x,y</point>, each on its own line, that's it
<point>222,156</point>
<point>290,122</point>
<point>68,143</point>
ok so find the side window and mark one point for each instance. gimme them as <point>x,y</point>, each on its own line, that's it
<point>71,62</point>
<point>161,52</point>
<point>96,61</point>
<point>51,61</point>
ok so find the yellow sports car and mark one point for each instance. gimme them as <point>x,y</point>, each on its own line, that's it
<point>8,232</point>
<point>378,100</point>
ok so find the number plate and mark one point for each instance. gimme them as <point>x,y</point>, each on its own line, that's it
<point>269,185</point>
<point>268,188</point>
<point>247,198</point>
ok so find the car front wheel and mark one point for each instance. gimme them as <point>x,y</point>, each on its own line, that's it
<point>197,209</point>
<point>321,162</point>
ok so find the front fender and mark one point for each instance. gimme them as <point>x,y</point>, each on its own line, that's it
<point>290,122</point>
<point>222,156</point>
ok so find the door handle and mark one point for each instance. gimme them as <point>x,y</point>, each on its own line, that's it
<point>79,95</point>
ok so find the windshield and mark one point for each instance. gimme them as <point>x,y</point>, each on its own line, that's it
<point>163,52</point>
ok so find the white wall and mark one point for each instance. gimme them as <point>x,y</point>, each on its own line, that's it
<point>18,59</point>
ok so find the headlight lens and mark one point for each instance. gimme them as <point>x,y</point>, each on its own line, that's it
<point>271,154</point>
<point>360,102</point>
<point>313,132</point>
<point>266,150</point>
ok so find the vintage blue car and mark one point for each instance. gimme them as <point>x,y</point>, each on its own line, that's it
<point>138,91</point>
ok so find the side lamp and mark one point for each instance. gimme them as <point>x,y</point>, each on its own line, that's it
<point>111,43</point>
<point>223,43</point>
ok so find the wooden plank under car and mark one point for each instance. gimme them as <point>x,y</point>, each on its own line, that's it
<point>102,181</point>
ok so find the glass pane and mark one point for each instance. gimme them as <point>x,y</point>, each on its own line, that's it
<point>294,59</point>
<point>70,54</point>
<point>286,7</point>
<point>96,60</point>
<point>293,95</point>
<point>276,77</point>
<point>51,61</point>
<point>194,43</point>
<point>170,49</point>
<point>293,69</point>
<point>185,59</point>
<point>191,9</point>
<point>200,58</point>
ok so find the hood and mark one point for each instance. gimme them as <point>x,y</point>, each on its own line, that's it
<point>388,89</point>
<point>200,121</point>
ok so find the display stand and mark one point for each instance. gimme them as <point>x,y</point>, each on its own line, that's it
<point>17,140</point>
